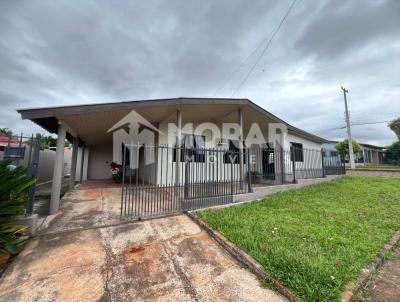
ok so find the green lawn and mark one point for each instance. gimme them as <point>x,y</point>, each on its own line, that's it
<point>316,239</point>
<point>380,167</point>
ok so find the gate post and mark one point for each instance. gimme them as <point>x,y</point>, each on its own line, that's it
<point>249,184</point>
<point>33,170</point>
<point>123,180</point>
<point>232,188</point>
<point>323,162</point>
<point>186,185</point>
<point>282,163</point>
<point>293,155</point>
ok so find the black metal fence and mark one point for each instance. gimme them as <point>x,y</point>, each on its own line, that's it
<point>158,180</point>
<point>25,151</point>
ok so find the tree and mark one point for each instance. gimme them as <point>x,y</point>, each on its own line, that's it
<point>6,131</point>
<point>395,127</point>
<point>343,147</point>
<point>393,153</point>
<point>49,142</point>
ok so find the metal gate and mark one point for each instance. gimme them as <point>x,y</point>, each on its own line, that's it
<point>158,180</point>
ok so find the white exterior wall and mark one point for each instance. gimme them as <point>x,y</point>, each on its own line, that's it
<point>99,162</point>
<point>79,164</point>
<point>204,171</point>
<point>312,156</point>
<point>46,163</point>
<point>162,170</point>
<point>307,144</point>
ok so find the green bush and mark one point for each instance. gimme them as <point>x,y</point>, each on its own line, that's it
<point>393,153</point>
<point>14,184</point>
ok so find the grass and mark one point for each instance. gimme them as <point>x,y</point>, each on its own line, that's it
<point>379,167</point>
<point>315,240</point>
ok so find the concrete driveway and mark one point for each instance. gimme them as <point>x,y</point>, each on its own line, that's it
<point>84,255</point>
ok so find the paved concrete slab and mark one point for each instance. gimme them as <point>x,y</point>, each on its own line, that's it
<point>166,259</point>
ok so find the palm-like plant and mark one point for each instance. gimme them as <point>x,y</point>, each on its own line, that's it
<point>14,184</point>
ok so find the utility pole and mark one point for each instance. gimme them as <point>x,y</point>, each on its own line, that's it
<point>350,140</point>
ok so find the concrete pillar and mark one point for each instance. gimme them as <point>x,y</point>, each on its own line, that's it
<point>178,145</point>
<point>73,162</point>
<point>58,170</point>
<point>364,159</point>
<point>82,163</point>
<point>241,166</point>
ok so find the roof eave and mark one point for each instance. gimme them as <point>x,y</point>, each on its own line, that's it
<point>49,112</point>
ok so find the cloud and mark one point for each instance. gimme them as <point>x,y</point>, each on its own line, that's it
<point>59,53</point>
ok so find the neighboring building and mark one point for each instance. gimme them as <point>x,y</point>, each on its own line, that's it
<point>368,155</point>
<point>88,126</point>
<point>329,149</point>
<point>12,146</point>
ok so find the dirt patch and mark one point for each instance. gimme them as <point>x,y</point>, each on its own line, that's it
<point>199,248</point>
<point>128,254</point>
<point>386,287</point>
<point>92,194</point>
<point>149,270</point>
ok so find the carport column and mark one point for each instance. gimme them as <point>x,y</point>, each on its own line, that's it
<point>241,168</point>
<point>363,151</point>
<point>178,145</point>
<point>82,162</point>
<point>74,158</point>
<point>58,169</point>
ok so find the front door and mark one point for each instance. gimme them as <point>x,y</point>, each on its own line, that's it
<point>268,167</point>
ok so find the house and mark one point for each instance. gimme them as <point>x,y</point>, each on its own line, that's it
<point>368,155</point>
<point>371,154</point>
<point>137,135</point>
<point>11,146</point>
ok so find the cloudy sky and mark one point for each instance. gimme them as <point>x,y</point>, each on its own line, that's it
<point>56,53</point>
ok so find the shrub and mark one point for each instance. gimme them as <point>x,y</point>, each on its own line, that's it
<point>393,153</point>
<point>14,184</point>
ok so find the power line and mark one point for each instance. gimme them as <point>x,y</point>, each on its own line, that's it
<point>265,48</point>
<point>370,123</point>
<point>242,63</point>
<point>357,124</point>
<point>380,81</point>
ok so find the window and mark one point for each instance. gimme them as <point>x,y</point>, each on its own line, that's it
<point>192,149</point>
<point>233,154</point>
<point>297,150</point>
<point>127,152</point>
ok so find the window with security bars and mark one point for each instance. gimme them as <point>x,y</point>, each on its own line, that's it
<point>192,149</point>
<point>232,156</point>
<point>296,149</point>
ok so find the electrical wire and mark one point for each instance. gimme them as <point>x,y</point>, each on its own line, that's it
<point>265,48</point>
